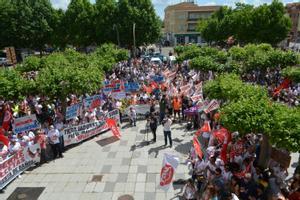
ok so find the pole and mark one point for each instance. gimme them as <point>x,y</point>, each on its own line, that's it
<point>115,27</point>
<point>133,40</point>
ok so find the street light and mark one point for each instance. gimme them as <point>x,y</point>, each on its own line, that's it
<point>115,27</point>
<point>133,32</point>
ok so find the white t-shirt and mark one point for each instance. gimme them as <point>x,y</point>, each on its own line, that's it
<point>167,125</point>
<point>54,136</point>
<point>14,148</point>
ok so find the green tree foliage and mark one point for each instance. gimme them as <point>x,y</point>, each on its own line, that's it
<point>205,63</point>
<point>230,88</point>
<point>106,23</point>
<point>31,63</point>
<point>79,24</point>
<point>292,73</point>
<point>26,23</point>
<point>142,13</point>
<point>247,109</point>
<point>248,24</point>
<point>12,85</point>
<point>107,55</point>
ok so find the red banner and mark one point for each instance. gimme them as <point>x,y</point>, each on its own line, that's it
<point>112,124</point>
<point>283,85</point>
<point>206,127</point>
<point>197,147</point>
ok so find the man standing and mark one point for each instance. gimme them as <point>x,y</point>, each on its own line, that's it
<point>167,130</point>
<point>132,116</point>
<point>53,135</point>
<point>162,108</point>
<point>153,126</point>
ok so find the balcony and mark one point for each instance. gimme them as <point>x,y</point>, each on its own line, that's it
<point>191,30</point>
<point>193,19</point>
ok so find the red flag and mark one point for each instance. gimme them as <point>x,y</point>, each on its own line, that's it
<point>112,124</point>
<point>197,147</point>
<point>4,139</point>
<point>206,127</point>
<point>154,85</point>
<point>7,120</point>
<point>285,84</point>
<point>198,133</point>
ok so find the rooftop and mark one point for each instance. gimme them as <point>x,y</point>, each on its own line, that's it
<point>191,7</point>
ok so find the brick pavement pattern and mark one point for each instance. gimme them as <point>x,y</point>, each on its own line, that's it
<point>128,166</point>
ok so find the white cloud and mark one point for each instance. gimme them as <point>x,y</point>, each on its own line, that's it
<point>60,3</point>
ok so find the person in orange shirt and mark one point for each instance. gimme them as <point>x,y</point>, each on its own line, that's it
<point>176,107</point>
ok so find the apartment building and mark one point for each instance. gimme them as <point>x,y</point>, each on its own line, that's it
<point>181,21</point>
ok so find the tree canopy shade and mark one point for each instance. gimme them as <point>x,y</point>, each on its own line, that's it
<point>78,23</point>
<point>247,109</point>
<point>147,23</point>
<point>26,23</point>
<point>248,24</point>
<point>292,73</point>
<point>12,85</point>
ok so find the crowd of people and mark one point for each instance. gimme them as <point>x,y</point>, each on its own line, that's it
<point>233,174</point>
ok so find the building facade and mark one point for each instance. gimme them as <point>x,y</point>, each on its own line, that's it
<point>293,10</point>
<point>181,21</point>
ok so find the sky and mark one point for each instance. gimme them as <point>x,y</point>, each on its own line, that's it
<point>160,5</point>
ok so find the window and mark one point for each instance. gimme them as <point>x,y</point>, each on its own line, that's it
<point>192,27</point>
<point>181,27</point>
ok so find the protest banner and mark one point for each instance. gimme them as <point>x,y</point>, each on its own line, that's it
<point>73,111</point>
<point>76,134</point>
<point>14,165</point>
<point>198,88</point>
<point>114,115</point>
<point>26,123</point>
<point>112,125</point>
<point>118,95</point>
<point>131,87</point>
<point>213,105</point>
<point>141,109</point>
<point>202,105</point>
<point>170,163</point>
<point>197,147</point>
<point>197,97</point>
<point>92,102</point>
<point>158,78</point>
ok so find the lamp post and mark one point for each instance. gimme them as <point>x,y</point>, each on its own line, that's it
<point>133,32</point>
<point>115,27</point>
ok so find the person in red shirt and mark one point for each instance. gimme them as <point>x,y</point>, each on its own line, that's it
<point>41,139</point>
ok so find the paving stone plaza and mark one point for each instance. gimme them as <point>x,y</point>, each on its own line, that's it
<point>106,168</point>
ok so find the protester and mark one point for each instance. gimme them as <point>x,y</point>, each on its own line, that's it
<point>53,136</point>
<point>167,122</point>
<point>153,126</point>
<point>132,115</point>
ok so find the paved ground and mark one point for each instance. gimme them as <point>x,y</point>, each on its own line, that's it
<point>127,166</point>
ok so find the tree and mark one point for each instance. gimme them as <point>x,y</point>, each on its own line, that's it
<point>78,22</point>
<point>292,73</point>
<point>106,24</point>
<point>12,85</point>
<point>28,23</point>
<point>248,24</point>
<point>142,14</point>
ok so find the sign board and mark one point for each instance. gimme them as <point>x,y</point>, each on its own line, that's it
<point>73,111</point>
<point>92,102</point>
<point>26,123</point>
<point>14,165</point>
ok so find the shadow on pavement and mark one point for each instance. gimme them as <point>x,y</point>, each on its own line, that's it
<point>107,141</point>
<point>156,150</point>
<point>183,148</point>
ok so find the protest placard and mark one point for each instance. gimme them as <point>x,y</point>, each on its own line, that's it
<point>92,102</point>
<point>131,87</point>
<point>26,123</point>
<point>14,165</point>
<point>114,115</point>
<point>213,105</point>
<point>73,111</point>
<point>76,134</point>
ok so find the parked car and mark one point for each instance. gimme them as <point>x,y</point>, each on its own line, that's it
<point>156,61</point>
<point>3,61</point>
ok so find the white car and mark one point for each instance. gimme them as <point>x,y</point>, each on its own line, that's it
<point>3,61</point>
<point>156,61</point>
